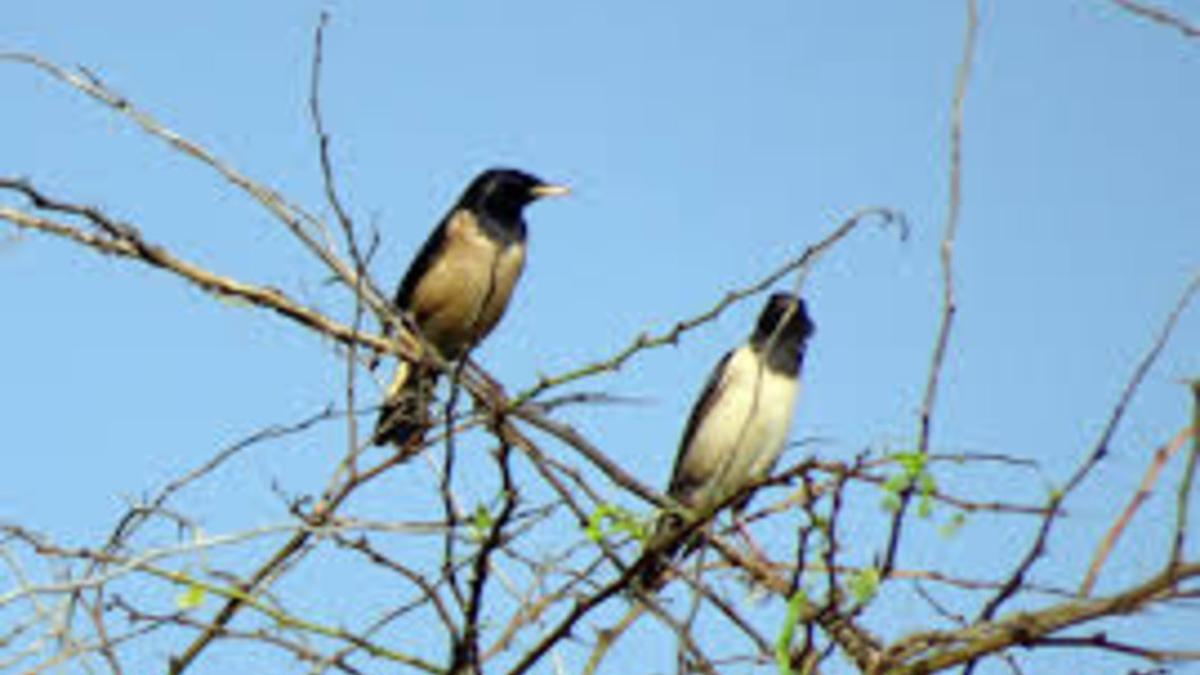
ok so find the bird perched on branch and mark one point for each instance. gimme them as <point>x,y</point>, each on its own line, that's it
<point>458,287</point>
<point>737,429</point>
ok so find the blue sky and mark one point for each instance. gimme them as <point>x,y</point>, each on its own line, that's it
<point>705,146</point>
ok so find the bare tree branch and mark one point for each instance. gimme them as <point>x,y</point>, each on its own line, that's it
<point>1161,456</point>
<point>671,336</point>
<point>1183,497</point>
<point>959,647</point>
<point>306,228</point>
<point>1099,451</point>
<point>1159,16</point>
<point>524,582</point>
<point>949,301</point>
<point>120,240</point>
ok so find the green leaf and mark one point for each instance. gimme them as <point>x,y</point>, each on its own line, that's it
<point>913,463</point>
<point>191,598</point>
<point>890,502</point>
<point>595,526</point>
<point>927,484</point>
<point>914,473</point>
<point>481,523</point>
<point>952,526</point>
<point>632,526</point>
<point>608,519</point>
<point>925,506</point>
<point>783,645</point>
<point>864,584</point>
<point>896,483</point>
<point>593,531</point>
<point>483,517</point>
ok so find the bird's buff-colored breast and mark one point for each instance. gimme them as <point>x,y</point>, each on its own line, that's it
<point>460,298</point>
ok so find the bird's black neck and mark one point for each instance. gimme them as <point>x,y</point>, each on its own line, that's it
<point>504,228</point>
<point>784,354</point>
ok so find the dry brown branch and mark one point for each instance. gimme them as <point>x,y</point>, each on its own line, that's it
<point>646,341</point>
<point>499,594</point>
<point>308,229</point>
<point>145,564</point>
<point>1161,456</point>
<point>156,621</point>
<point>1183,496</point>
<point>465,653</point>
<point>138,515</point>
<point>320,514</point>
<point>862,474</point>
<point>981,639</point>
<point>1098,452</point>
<point>130,245</point>
<point>1159,16</point>
<point>510,434</point>
<point>1102,641</point>
<point>347,226</point>
<point>949,301</point>
<point>428,590</point>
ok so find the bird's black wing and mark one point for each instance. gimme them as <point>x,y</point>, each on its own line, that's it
<point>425,259</point>
<point>682,484</point>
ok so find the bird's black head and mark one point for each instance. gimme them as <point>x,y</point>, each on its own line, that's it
<point>500,194</point>
<point>783,328</point>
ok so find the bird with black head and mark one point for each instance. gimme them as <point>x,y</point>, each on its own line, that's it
<point>738,426</point>
<point>458,286</point>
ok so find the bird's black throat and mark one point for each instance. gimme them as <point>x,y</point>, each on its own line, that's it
<point>782,333</point>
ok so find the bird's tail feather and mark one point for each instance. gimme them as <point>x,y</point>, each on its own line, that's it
<point>405,409</point>
<point>662,548</point>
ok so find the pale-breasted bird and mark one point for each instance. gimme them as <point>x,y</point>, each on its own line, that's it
<point>738,427</point>
<point>459,285</point>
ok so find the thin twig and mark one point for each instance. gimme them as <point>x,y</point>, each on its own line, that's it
<point>136,248</point>
<point>465,656</point>
<point>949,300</point>
<point>1100,449</point>
<point>347,226</point>
<point>1102,641</point>
<point>428,590</point>
<point>646,341</point>
<point>1098,452</point>
<point>306,227</point>
<point>1159,16</point>
<point>1162,455</point>
<point>130,522</point>
<point>319,515</point>
<point>1183,496</point>
<point>951,648</point>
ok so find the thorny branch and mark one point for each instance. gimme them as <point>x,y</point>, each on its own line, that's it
<point>645,341</point>
<point>1054,502</point>
<point>526,598</point>
<point>121,240</point>
<point>347,227</point>
<point>307,229</point>
<point>466,648</point>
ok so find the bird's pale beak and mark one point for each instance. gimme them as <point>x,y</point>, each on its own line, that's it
<point>548,190</point>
